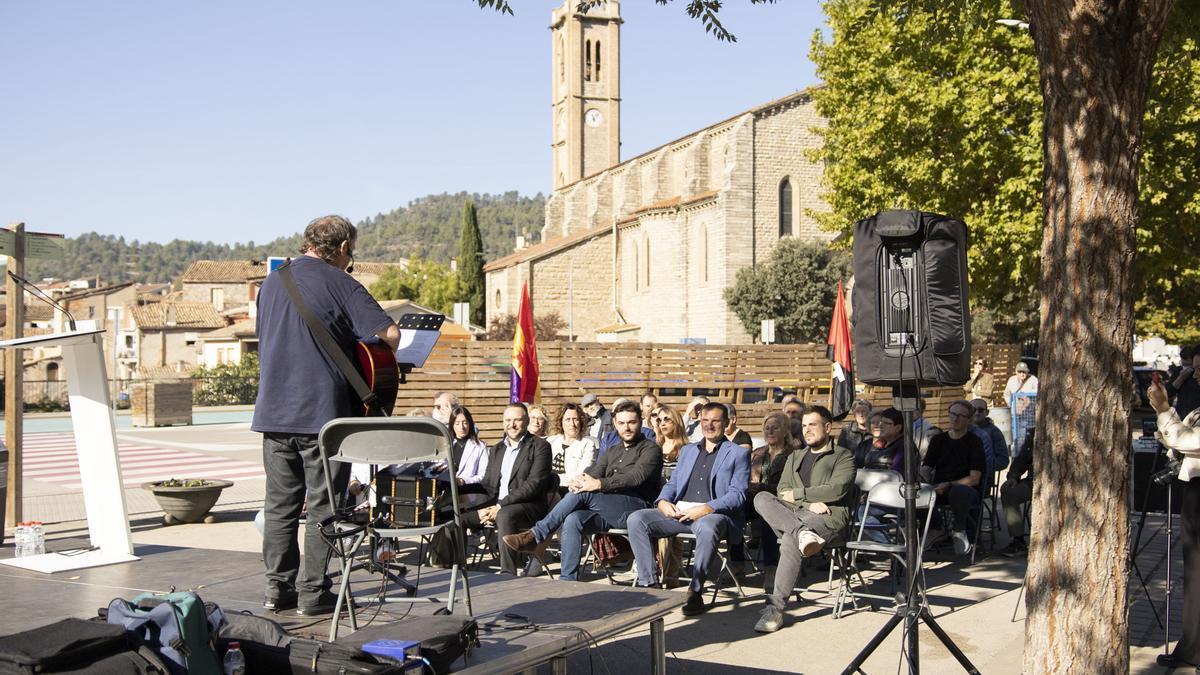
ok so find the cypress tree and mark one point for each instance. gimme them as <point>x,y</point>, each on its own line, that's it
<point>470,264</point>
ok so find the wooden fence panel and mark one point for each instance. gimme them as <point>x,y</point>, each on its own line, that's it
<point>751,376</point>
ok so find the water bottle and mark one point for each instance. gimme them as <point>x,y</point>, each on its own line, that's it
<point>37,538</point>
<point>235,661</point>
<point>21,540</point>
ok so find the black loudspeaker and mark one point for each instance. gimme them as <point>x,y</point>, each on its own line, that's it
<point>912,322</point>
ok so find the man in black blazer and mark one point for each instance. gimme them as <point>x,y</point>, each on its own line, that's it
<point>517,481</point>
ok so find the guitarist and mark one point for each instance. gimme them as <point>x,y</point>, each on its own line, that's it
<point>300,388</point>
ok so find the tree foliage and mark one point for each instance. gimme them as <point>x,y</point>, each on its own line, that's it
<point>228,383</point>
<point>424,282</point>
<point>545,327</point>
<point>797,287</point>
<point>706,11</point>
<point>427,227</point>
<point>470,265</point>
<point>939,109</point>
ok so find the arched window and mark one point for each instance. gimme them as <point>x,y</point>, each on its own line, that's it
<point>704,251</point>
<point>636,277</point>
<point>497,299</point>
<point>646,262</point>
<point>52,372</point>
<point>785,207</point>
<point>587,61</point>
<point>597,60</point>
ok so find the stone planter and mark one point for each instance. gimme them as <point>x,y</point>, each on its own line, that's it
<point>184,502</point>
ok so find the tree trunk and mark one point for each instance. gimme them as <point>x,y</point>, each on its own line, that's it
<point>1095,59</point>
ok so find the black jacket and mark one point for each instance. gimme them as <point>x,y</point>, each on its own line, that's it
<point>531,478</point>
<point>633,470</point>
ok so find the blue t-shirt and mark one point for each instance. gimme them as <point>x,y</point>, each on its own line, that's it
<point>300,388</point>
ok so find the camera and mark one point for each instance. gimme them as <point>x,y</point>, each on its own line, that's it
<point>1168,473</point>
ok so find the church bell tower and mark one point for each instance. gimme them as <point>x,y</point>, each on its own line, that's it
<point>586,90</point>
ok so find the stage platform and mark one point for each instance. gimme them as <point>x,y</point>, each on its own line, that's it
<point>522,622</point>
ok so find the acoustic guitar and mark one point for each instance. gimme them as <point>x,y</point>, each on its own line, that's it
<point>377,365</point>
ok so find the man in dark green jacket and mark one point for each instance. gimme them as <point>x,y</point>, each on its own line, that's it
<point>811,505</point>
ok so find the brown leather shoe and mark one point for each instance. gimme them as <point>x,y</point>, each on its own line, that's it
<point>522,542</point>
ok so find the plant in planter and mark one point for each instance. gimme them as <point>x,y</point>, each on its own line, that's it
<point>187,500</point>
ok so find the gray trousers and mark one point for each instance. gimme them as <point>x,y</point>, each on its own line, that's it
<point>292,463</point>
<point>787,524</point>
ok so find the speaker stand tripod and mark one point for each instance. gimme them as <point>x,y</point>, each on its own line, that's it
<point>913,611</point>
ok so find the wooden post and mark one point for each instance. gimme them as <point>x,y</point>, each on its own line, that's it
<point>14,378</point>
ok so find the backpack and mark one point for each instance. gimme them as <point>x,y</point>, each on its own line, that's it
<point>178,627</point>
<point>76,645</point>
<point>443,546</point>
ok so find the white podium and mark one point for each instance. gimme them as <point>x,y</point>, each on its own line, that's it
<point>96,446</point>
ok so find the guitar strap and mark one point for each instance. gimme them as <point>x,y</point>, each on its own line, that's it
<point>323,337</point>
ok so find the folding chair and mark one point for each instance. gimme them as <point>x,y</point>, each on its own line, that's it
<point>723,557</point>
<point>384,441</point>
<point>839,557</point>
<point>887,494</point>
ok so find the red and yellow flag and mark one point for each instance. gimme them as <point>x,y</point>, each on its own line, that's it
<point>523,382</point>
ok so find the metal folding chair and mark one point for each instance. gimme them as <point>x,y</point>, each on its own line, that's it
<point>381,441</point>
<point>887,494</point>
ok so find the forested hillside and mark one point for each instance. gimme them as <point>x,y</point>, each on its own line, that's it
<point>427,227</point>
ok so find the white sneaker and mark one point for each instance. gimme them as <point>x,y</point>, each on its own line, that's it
<point>770,621</point>
<point>810,543</point>
<point>962,545</point>
<point>628,577</point>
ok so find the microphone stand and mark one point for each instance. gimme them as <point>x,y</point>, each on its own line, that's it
<point>904,398</point>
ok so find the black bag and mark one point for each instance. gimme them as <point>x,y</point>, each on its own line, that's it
<point>325,658</point>
<point>264,642</point>
<point>444,638</point>
<point>76,645</point>
<point>444,551</point>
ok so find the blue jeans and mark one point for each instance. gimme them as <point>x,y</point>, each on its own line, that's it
<point>583,513</point>
<point>649,524</point>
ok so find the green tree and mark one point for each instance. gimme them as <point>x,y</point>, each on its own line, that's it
<point>941,110</point>
<point>470,265</point>
<point>797,287</point>
<point>228,383</point>
<point>424,282</point>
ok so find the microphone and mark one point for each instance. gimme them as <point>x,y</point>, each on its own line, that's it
<point>37,293</point>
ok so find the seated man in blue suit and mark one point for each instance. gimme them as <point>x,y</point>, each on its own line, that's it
<point>704,496</point>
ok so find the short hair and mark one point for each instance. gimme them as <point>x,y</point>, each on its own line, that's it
<point>964,403</point>
<point>453,398</point>
<point>324,236</point>
<point>462,411</point>
<point>984,361</point>
<point>585,420</point>
<point>797,401</point>
<point>861,403</point>
<point>788,398</point>
<point>651,395</point>
<point>540,408</point>
<point>625,405</point>
<point>519,406</point>
<point>712,405</point>
<point>700,397</point>
<point>821,410</point>
<point>892,415</point>
<point>731,410</point>
<point>784,422</point>
<point>619,401</point>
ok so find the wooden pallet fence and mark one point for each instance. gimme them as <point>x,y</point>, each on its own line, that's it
<point>751,376</point>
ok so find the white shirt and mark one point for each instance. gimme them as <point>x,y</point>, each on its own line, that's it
<point>506,463</point>
<point>1183,437</point>
<point>577,455</point>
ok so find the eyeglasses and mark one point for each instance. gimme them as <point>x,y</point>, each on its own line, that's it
<point>978,409</point>
<point>959,415</point>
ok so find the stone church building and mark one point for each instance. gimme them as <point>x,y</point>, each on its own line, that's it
<point>642,249</point>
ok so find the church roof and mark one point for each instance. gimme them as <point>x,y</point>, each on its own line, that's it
<point>545,248</point>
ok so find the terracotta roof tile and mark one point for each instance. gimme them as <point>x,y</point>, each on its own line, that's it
<point>187,315</point>
<point>224,271</point>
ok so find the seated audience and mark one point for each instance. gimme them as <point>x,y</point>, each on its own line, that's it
<point>613,439</point>
<point>1015,492</point>
<point>955,464</point>
<point>884,449</point>
<point>735,434</point>
<point>600,416</point>
<point>691,418</point>
<point>705,496</point>
<point>766,467</point>
<point>649,402</point>
<point>518,481</point>
<point>469,453</point>
<point>622,481</point>
<point>810,506</point>
<point>854,431</point>
<point>539,420</point>
<point>571,449</point>
<point>995,447</point>
<point>923,429</point>
<point>672,440</point>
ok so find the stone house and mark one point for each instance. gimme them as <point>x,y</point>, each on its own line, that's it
<point>165,335</point>
<point>642,250</point>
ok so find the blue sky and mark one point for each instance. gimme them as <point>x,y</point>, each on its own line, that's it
<point>241,120</point>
